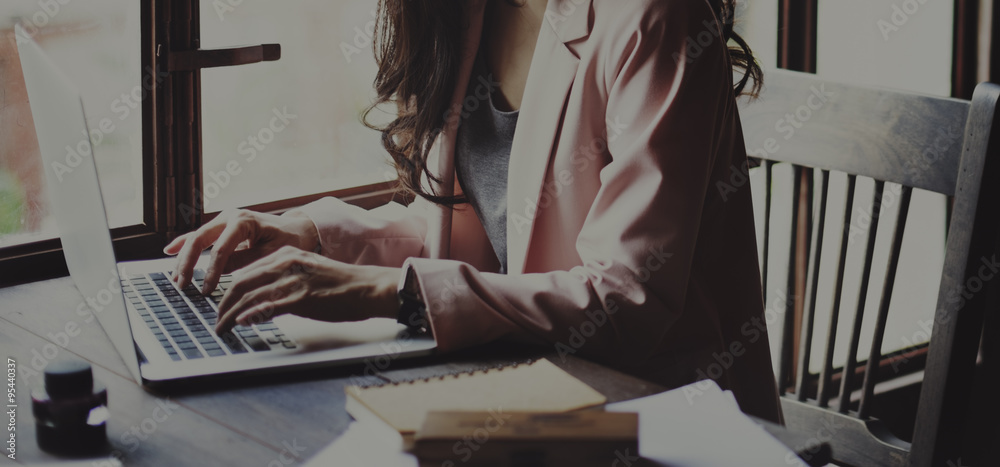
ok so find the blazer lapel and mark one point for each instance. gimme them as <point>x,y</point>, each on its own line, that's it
<point>550,79</point>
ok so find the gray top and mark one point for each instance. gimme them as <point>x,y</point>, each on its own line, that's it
<point>482,152</point>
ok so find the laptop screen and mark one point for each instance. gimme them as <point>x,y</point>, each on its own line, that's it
<point>75,193</point>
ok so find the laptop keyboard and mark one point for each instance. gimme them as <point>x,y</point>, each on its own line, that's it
<point>184,320</point>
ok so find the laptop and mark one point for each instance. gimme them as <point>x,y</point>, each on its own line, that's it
<point>163,333</point>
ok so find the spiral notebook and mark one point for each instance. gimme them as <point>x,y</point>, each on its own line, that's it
<point>536,387</point>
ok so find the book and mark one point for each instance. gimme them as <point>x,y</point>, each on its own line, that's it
<point>536,387</point>
<point>512,439</point>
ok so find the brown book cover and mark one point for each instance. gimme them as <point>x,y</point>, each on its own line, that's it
<point>498,438</point>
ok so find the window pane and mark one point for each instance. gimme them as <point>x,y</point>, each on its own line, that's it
<point>289,128</point>
<point>888,43</point>
<point>96,43</point>
<point>757,23</point>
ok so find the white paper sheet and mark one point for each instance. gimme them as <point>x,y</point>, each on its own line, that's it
<point>701,425</point>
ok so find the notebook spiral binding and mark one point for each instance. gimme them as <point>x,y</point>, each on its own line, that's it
<point>386,381</point>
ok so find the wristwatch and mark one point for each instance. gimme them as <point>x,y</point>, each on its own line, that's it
<point>412,309</point>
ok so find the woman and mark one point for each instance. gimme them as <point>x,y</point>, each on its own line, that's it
<point>590,138</point>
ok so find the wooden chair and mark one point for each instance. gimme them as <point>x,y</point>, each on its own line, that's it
<point>883,135</point>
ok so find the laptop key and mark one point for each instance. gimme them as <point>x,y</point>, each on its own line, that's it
<point>216,352</point>
<point>233,342</point>
<point>192,353</point>
<point>257,344</point>
<point>206,340</point>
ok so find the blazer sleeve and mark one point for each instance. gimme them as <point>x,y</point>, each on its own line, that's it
<point>384,236</point>
<point>640,235</point>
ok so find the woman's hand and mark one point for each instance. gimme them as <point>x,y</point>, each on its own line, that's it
<point>310,285</point>
<point>240,238</point>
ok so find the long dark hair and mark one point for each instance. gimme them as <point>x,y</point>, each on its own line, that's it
<point>418,48</point>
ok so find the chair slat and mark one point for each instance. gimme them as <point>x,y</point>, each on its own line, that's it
<point>847,377</point>
<point>787,340</point>
<point>768,168</point>
<point>875,355</point>
<point>838,286</point>
<point>805,342</point>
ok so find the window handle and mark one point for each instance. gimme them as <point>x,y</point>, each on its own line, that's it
<point>191,60</point>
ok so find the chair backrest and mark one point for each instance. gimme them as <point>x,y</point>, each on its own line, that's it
<point>902,142</point>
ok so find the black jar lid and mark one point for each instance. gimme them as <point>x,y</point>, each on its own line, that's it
<point>68,378</point>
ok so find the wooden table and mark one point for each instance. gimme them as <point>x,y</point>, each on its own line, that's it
<point>273,420</point>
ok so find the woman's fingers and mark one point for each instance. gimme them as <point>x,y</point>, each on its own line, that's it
<point>266,311</point>
<point>235,232</point>
<point>259,274</point>
<point>242,258</point>
<point>193,246</point>
<point>174,247</point>
<point>263,290</point>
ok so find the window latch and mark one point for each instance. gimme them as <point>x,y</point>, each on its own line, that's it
<point>191,60</point>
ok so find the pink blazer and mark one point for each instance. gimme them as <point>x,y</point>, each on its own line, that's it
<point>627,242</point>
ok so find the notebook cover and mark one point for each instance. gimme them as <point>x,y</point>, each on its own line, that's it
<point>538,387</point>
